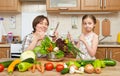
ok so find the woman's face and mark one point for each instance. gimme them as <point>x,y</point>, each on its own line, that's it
<point>42,26</point>
<point>88,24</point>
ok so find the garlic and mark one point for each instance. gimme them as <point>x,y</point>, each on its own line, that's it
<point>56,49</point>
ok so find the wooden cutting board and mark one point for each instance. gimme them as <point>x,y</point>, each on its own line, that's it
<point>106,27</point>
<point>96,29</point>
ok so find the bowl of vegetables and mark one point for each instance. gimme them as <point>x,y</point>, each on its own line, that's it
<point>56,50</point>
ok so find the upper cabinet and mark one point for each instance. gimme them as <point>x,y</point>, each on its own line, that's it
<point>10,6</point>
<point>63,5</point>
<point>95,5</point>
<point>83,5</point>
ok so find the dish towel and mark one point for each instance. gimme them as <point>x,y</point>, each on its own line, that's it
<point>2,29</point>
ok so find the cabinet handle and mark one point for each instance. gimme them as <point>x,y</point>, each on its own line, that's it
<point>100,3</point>
<point>104,3</point>
<point>7,53</point>
<point>110,54</point>
<point>106,53</point>
<point>63,8</point>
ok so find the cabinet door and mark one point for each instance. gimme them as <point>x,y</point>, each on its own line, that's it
<point>63,5</point>
<point>111,5</point>
<point>4,52</point>
<point>9,5</point>
<point>91,5</point>
<point>101,53</point>
<point>115,53</point>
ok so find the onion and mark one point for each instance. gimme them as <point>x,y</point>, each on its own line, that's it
<point>89,68</point>
<point>98,70</point>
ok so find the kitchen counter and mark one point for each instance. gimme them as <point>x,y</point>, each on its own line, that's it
<point>109,44</point>
<point>108,71</point>
<point>4,45</point>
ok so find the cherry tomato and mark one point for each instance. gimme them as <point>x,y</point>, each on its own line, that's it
<point>49,66</point>
<point>59,67</point>
<point>1,67</point>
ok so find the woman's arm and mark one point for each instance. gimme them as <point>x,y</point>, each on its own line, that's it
<point>91,49</point>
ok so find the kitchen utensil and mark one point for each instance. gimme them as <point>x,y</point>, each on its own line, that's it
<point>53,32</point>
<point>118,37</point>
<point>97,27</point>
<point>106,27</point>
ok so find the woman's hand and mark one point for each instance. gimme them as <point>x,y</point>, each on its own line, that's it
<point>39,36</point>
<point>55,36</point>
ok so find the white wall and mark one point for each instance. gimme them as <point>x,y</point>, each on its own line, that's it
<point>65,21</point>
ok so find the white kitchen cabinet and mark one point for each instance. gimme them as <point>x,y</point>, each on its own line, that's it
<point>62,5</point>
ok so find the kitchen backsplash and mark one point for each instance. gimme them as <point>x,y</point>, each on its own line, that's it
<point>68,23</point>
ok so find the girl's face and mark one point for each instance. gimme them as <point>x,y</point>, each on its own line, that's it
<point>42,26</point>
<point>88,24</point>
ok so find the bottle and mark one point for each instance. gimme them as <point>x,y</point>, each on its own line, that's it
<point>118,37</point>
<point>9,37</point>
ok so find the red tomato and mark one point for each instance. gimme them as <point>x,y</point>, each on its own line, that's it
<point>59,67</point>
<point>1,67</point>
<point>49,66</point>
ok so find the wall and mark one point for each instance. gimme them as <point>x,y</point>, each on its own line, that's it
<point>65,21</point>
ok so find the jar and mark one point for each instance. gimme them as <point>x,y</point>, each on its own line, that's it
<point>9,37</point>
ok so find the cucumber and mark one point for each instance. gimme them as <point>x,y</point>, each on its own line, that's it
<point>84,62</point>
<point>6,63</point>
<point>109,62</point>
<point>65,70</point>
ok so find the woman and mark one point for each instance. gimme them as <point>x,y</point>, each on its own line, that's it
<point>88,40</point>
<point>40,25</point>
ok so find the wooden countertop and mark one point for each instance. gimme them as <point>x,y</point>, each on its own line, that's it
<point>4,45</point>
<point>108,71</point>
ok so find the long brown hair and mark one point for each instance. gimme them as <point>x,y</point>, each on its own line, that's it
<point>37,20</point>
<point>89,16</point>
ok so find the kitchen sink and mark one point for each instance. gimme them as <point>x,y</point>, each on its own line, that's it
<point>109,43</point>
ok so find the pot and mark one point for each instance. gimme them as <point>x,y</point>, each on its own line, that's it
<point>52,57</point>
<point>118,37</point>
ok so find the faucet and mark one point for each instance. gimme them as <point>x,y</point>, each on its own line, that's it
<point>104,38</point>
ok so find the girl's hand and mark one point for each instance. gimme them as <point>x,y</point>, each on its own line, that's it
<point>82,38</point>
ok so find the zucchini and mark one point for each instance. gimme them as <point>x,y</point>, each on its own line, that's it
<point>65,70</point>
<point>6,63</point>
<point>84,62</point>
<point>109,62</point>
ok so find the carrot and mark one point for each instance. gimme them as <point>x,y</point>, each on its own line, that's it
<point>33,68</point>
<point>42,69</point>
<point>38,67</point>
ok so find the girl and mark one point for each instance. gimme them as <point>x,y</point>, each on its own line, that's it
<point>88,40</point>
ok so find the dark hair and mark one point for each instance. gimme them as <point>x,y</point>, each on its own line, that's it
<point>37,20</point>
<point>89,16</point>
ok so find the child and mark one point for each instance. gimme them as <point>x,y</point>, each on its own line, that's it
<point>88,40</point>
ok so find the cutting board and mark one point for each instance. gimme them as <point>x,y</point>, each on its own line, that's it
<point>106,27</point>
<point>96,29</point>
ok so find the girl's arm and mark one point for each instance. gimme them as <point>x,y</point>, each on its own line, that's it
<point>92,49</point>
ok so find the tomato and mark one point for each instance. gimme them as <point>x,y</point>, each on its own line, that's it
<point>1,67</point>
<point>59,67</point>
<point>49,66</point>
